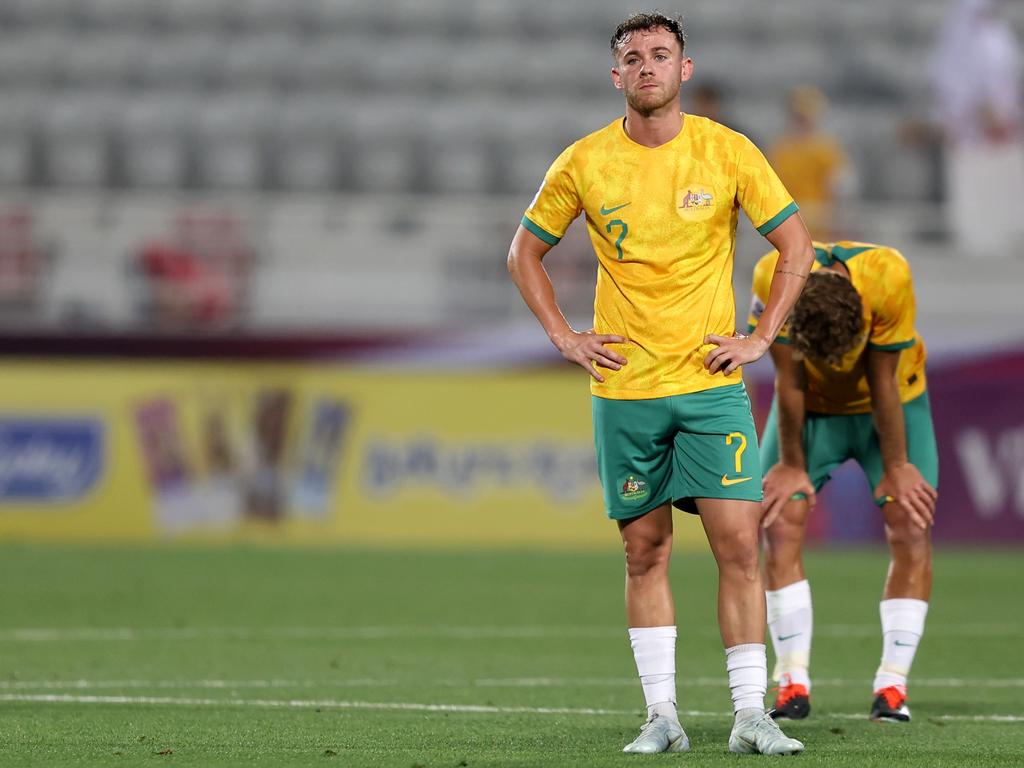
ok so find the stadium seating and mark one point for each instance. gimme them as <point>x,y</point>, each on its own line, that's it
<point>201,54</point>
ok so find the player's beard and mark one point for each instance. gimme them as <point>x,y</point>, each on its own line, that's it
<point>648,102</point>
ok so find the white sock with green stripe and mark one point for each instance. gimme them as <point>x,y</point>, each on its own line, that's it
<point>790,624</point>
<point>902,628</point>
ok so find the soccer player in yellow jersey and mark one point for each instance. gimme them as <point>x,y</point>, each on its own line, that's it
<point>849,384</point>
<point>661,193</point>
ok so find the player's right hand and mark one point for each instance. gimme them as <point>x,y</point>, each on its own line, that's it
<point>781,483</point>
<point>587,350</point>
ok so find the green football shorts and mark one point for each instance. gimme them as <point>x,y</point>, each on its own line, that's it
<point>678,448</point>
<point>831,439</point>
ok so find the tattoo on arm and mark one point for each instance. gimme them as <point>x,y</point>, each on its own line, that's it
<point>787,272</point>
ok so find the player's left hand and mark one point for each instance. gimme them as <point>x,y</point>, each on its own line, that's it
<point>905,486</point>
<point>733,351</point>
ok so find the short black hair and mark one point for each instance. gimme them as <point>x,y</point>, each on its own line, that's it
<point>645,20</point>
<point>828,317</point>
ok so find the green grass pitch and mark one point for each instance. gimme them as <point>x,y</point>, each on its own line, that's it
<point>217,657</point>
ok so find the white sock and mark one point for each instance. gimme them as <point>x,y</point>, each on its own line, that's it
<point>654,649</point>
<point>747,666</point>
<point>902,628</point>
<point>790,624</point>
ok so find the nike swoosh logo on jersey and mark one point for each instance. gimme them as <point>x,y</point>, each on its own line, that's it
<point>606,211</point>
<point>727,482</point>
<point>904,645</point>
<point>784,638</point>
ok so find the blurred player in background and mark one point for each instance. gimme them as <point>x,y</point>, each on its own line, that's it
<point>849,384</point>
<point>661,193</point>
<point>812,164</point>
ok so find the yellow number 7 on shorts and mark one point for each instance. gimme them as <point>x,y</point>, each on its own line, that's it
<point>742,439</point>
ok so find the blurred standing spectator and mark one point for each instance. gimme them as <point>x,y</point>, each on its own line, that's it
<point>813,166</point>
<point>706,100</point>
<point>976,71</point>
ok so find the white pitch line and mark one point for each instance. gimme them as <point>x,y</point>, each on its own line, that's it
<point>416,707</point>
<point>514,682</point>
<point>316,704</point>
<point>447,632</point>
<point>682,682</point>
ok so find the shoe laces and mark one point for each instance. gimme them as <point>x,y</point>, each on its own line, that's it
<point>893,696</point>
<point>650,722</point>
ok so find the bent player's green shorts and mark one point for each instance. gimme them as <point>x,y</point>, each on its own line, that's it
<point>678,449</point>
<point>831,439</point>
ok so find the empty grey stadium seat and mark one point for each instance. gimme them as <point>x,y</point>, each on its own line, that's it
<point>325,63</point>
<point>39,12</point>
<point>183,60</point>
<point>111,15</point>
<point>153,139</point>
<point>267,15</point>
<point>20,114</point>
<point>77,135</point>
<point>385,155</point>
<point>265,59</point>
<point>458,140</point>
<point>192,14</point>
<point>32,58</point>
<point>103,61</point>
<point>231,139</point>
<point>308,149</point>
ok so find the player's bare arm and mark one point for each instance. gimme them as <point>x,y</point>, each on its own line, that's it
<point>586,349</point>
<point>789,476</point>
<point>901,481</point>
<point>796,254</point>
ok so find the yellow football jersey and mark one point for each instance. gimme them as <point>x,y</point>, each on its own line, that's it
<point>882,278</point>
<point>663,224</point>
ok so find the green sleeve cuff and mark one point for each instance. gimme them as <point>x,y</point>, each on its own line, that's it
<point>540,232</point>
<point>892,347</point>
<point>778,218</point>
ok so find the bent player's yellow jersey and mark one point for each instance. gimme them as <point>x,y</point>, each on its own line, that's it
<point>662,222</point>
<point>882,278</point>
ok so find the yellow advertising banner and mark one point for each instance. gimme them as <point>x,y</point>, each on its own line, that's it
<point>300,452</point>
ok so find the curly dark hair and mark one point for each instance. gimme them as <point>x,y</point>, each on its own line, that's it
<point>828,317</point>
<point>645,21</point>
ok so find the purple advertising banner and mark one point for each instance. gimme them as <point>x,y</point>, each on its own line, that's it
<point>978,411</point>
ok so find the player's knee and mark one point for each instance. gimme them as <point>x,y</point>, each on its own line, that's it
<point>783,539</point>
<point>908,541</point>
<point>647,555</point>
<point>739,555</point>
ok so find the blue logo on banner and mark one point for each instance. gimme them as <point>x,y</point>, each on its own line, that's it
<point>49,459</point>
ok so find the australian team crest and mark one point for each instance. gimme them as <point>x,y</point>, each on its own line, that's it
<point>633,489</point>
<point>697,199</point>
<point>695,202</point>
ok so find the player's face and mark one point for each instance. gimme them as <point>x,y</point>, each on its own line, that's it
<point>649,68</point>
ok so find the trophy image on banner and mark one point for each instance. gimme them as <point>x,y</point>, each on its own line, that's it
<point>318,458</point>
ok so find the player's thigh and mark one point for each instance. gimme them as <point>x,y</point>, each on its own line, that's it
<point>716,449</point>
<point>769,446</point>
<point>825,443</point>
<point>633,441</point>
<point>828,441</point>
<point>922,449</point>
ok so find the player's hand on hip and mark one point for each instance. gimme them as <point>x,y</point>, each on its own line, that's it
<point>905,486</point>
<point>588,350</point>
<point>781,484</point>
<point>733,351</point>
